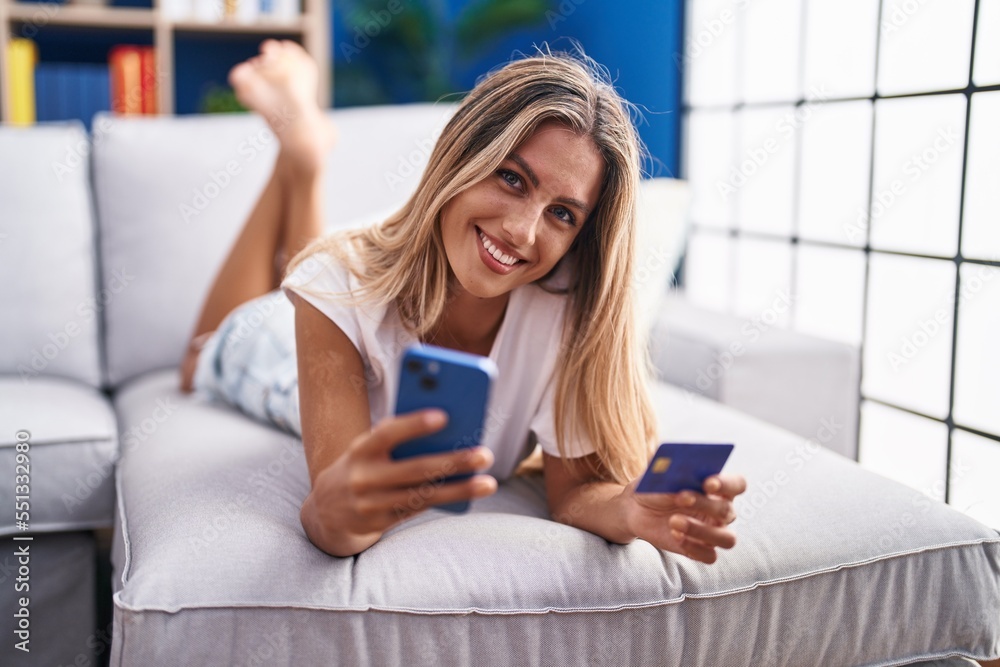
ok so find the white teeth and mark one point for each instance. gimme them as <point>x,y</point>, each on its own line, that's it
<point>497,255</point>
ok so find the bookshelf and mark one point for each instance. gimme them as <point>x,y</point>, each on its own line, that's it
<point>311,28</point>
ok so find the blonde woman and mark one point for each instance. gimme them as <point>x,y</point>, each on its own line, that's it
<point>517,244</point>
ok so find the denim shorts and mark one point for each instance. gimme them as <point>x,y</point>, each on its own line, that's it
<point>249,362</point>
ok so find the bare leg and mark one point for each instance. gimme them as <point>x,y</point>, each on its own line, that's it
<point>990,663</point>
<point>280,84</point>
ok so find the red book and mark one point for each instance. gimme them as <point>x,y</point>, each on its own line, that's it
<point>125,63</point>
<point>149,88</point>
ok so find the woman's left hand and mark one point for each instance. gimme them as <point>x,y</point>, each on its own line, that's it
<point>688,523</point>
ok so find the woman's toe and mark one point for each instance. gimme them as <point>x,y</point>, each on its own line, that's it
<point>270,46</point>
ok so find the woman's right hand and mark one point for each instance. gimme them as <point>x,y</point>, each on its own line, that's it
<point>365,492</point>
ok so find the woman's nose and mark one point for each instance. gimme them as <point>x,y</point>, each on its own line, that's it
<point>520,227</point>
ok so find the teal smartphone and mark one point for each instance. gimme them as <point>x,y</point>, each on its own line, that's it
<point>458,383</point>
<point>680,466</point>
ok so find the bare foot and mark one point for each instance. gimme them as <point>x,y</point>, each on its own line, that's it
<point>281,85</point>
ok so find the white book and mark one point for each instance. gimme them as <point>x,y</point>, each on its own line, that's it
<point>176,10</point>
<point>247,11</point>
<point>209,11</point>
<point>285,10</point>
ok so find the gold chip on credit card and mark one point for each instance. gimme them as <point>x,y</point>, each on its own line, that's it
<point>661,464</point>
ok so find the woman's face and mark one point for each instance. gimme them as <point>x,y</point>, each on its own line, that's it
<point>530,210</point>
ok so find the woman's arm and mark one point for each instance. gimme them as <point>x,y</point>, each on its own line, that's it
<point>333,396</point>
<point>358,490</point>
<point>688,523</point>
<point>585,502</point>
<point>332,410</point>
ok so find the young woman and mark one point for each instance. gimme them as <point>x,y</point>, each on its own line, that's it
<point>517,244</point>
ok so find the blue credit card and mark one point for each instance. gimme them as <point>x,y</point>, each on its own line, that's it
<point>680,466</point>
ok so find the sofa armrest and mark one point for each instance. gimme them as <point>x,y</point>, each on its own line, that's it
<point>804,384</point>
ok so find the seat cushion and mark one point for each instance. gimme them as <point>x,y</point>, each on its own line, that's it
<point>174,194</point>
<point>73,446</point>
<point>49,304</point>
<point>213,567</point>
<point>761,369</point>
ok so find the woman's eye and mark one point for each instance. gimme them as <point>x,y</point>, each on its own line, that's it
<point>510,177</point>
<point>564,215</point>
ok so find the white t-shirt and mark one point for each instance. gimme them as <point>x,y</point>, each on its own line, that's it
<point>525,349</point>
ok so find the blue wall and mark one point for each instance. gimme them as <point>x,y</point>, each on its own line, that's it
<point>635,39</point>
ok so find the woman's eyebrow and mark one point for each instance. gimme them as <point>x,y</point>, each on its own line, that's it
<point>524,165</point>
<point>533,177</point>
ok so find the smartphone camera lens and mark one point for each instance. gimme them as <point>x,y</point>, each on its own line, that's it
<point>413,366</point>
<point>428,382</point>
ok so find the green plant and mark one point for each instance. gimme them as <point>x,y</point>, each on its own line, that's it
<point>219,99</point>
<point>407,50</point>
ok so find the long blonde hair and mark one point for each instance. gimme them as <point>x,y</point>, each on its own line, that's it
<point>604,367</point>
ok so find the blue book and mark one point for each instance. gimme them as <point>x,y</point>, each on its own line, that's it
<point>83,74</point>
<point>43,93</point>
<point>74,77</point>
<point>92,99</point>
<point>63,77</point>
<point>102,83</point>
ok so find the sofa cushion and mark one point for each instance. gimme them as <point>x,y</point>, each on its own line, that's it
<point>212,565</point>
<point>173,193</point>
<point>48,271</point>
<point>72,452</point>
<point>787,378</point>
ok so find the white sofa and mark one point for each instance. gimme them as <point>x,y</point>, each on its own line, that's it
<point>106,250</point>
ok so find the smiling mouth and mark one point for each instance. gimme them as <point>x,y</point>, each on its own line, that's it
<point>495,253</point>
